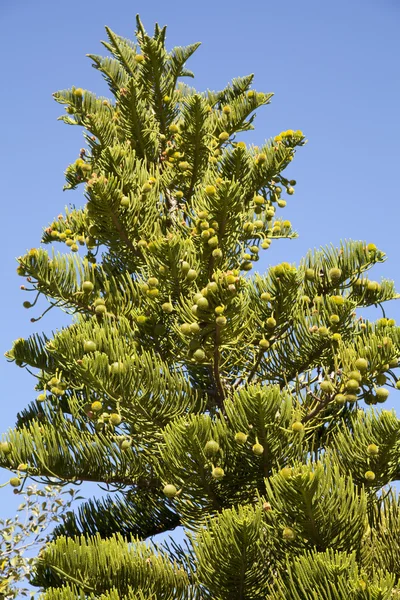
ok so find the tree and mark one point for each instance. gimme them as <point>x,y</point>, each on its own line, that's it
<point>201,396</point>
<point>25,532</point>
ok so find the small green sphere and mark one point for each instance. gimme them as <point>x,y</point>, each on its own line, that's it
<point>203,303</point>
<point>326,387</point>
<point>217,473</point>
<point>338,300</point>
<point>310,274</point>
<point>286,472</point>
<point>125,444</point>
<point>26,304</point>
<point>258,449</point>
<point>191,275</point>
<point>212,287</point>
<point>199,355</point>
<point>355,375</point>
<point>15,482</point>
<point>372,449</point>
<point>115,419</point>
<point>87,287</point>
<point>100,309</point>
<point>185,267</point>
<point>369,475</point>
<point>153,293</point>
<point>210,190</point>
<point>5,447</point>
<point>116,368</point>
<point>152,281</point>
<point>381,379</point>
<point>398,384</point>
<point>335,274</point>
<point>350,398</point>
<point>340,399</point>
<point>221,321</point>
<point>211,448</point>
<point>361,364</point>
<point>89,346</point>
<point>213,242</point>
<point>170,491</point>
<point>240,437</point>
<point>381,394</point>
<point>167,307</point>
<point>185,329</point>
<point>264,344</point>
<point>194,328</point>
<point>246,266</point>
<point>223,136</point>
<point>270,322</point>
<point>41,397</point>
<point>297,427</point>
<point>323,331</point>
<point>334,319</point>
<point>372,286</point>
<point>261,158</point>
<point>288,534</point>
<point>265,297</point>
<point>96,406</point>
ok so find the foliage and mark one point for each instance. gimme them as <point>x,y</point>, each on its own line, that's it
<point>20,535</point>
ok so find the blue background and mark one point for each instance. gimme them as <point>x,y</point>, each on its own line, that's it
<point>334,69</point>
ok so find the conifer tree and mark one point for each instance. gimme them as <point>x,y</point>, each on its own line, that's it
<point>239,406</point>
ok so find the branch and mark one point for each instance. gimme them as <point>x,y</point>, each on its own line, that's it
<point>217,375</point>
<point>252,372</point>
<point>123,234</point>
<point>322,404</point>
<point>172,205</point>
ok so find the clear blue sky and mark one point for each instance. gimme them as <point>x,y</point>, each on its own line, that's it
<point>334,69</point>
